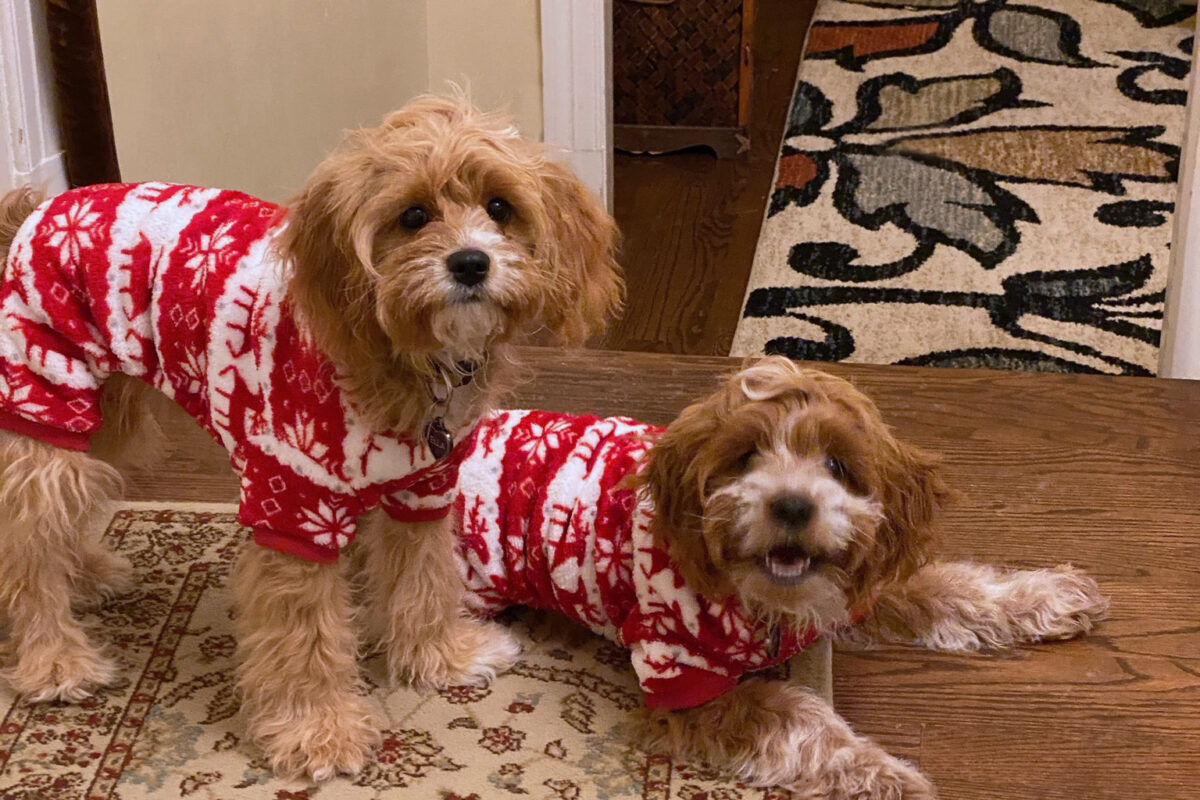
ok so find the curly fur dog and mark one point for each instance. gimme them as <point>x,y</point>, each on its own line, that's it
<point>778,509</point>
<point>337,349</point>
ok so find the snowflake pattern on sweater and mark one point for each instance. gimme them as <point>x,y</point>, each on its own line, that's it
<point>180,286</point>
<point>544,520</point>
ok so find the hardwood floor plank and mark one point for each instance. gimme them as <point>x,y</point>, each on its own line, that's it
<point>690,221</point>
<point>1102,472</point>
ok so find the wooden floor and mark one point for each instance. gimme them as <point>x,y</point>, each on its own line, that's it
<point>690,221</point>
<point>1100,471</point>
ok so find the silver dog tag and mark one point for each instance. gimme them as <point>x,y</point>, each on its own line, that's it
<point>438,438</point>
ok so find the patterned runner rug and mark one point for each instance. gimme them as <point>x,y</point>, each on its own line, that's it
<point>557,726</point>
<point>976,184</point>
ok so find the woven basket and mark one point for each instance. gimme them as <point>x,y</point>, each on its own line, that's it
<point>681,64</point>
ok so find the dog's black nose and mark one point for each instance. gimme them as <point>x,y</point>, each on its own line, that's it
<point>469,267</point>
<point>792,510</point>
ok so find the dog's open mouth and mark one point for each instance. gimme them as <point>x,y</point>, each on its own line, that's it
<point>788,564</point>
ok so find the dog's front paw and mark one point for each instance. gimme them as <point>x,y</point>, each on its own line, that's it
<point>470,652</point>
<point>67,670</point>
<point>323,742</point>
<point>866,772</point>
<point>1058,603</point>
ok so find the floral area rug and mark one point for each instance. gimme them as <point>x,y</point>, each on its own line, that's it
<point>557,726</point>
<point>976,184</point>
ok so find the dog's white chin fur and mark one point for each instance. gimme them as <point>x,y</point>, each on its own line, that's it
<point>818,602</point>
<point>465,329</point>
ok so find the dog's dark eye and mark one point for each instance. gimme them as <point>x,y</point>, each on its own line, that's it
<point>499,209</point>
<point>743,461</point>
<point>414,218</point>
<point>836,468</point>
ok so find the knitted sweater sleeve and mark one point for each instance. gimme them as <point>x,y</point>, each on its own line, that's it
<point>678,666</point>
<point>293,514</point>
<point>672,676</point>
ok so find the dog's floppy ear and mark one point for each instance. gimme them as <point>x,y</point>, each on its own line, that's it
<point>914,491</point>
<point>577,241</point>
<point>329,282</point>
<point>676,472</point>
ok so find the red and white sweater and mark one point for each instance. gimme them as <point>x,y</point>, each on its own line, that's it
<point>180,286</point>
<point>545,522</point>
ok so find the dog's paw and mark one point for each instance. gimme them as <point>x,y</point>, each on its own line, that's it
<point>323,742</point>
<point>67,671</point>
<point>470,652</point>
<point>103,575</point>
<point>1058,603</point>
<point>866,772</point>
<point>974,607</point>
<point>491,651</point>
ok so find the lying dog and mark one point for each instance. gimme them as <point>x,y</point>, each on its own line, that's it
<point>336,348</point>
<point>778,509</point>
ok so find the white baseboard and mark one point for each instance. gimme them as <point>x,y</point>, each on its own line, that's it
<point>30,153</point>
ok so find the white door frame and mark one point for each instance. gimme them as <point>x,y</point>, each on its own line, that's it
<point>577,88</point>
<point>30,153</point>
<point>1180,353</point>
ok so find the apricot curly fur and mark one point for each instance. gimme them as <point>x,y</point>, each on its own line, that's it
<point>774,429</point>
<point>377,299</point>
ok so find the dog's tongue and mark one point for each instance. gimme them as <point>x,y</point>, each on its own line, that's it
<point>787,561</point>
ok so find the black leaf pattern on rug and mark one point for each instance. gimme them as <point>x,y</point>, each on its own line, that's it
<point>947,188</point>
<point>1129,81</point>
<point>1155,13</point>
<point>1105,298</point>
<point>838,343</point>
<point>1135,213</point>
<point>835,261</point>
<point>997,358</point>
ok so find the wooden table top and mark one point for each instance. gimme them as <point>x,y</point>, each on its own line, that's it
<point>1103,472</point>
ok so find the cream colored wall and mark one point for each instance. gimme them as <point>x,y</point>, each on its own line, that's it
<point>250,94</point>
<point>495,48</point>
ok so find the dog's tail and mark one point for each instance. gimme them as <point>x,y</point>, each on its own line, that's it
<point>15,207</point>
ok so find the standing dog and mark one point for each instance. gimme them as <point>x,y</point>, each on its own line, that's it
<point>778,509</point>
<point>337,348</point>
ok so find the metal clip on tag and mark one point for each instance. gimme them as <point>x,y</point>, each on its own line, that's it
<point>437,437</point>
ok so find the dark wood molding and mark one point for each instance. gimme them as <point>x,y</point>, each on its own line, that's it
<point>81,92</point>
<point>690,222</point>
<point>654,139</point>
